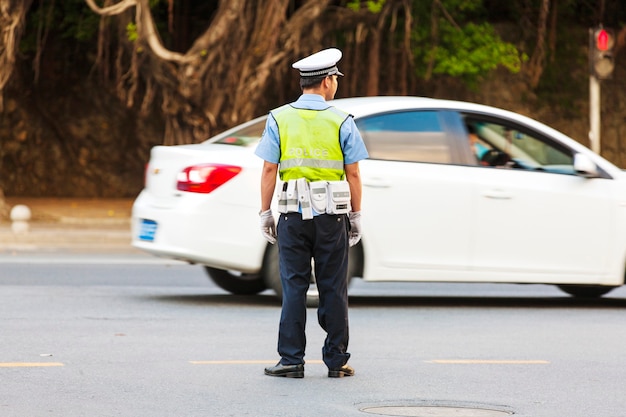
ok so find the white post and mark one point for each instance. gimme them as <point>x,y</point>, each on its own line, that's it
<point>20,215</point>
<point>594,114</point>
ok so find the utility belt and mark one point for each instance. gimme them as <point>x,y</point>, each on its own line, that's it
<point>323,197</point>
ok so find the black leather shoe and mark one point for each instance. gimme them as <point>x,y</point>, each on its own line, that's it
<point>345,370</point>
<point>289,371</point>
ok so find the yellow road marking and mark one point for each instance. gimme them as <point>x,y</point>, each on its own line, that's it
<point>490,361</point>
<point>28,364</point>
<point>244,362</point>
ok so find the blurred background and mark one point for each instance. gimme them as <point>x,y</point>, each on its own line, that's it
<point>88,87</point>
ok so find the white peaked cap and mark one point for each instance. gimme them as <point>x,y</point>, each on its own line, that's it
<point>320,64</point>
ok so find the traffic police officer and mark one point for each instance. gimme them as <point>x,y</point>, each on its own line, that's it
<point>315,148</point>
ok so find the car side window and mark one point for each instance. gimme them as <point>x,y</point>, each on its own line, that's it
<point>247,135</point>
<point>413,136</point>
<point>505,145</point>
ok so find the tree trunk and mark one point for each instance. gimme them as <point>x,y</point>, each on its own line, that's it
<point>12,14</point>
<point>434,35</point>
<point>221,79</point>
<point>375,53</point>
<point>537,61</point>
<point>620,41</point>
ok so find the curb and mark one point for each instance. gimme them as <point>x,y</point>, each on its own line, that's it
<point>76,224</point>
<point>73,234</point>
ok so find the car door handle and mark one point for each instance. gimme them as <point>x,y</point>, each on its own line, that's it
<point>497,194</point>
<point>376,183</point>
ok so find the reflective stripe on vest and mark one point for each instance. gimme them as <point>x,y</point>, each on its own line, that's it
<point>309,143</point>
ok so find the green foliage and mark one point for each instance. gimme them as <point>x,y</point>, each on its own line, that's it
<point>463,6</point>
<point>374,6</point>
<point>463,44</point>
<point>68,20</point>
<point>131,32</point>
<point>76,21</point>
<point>472,51</point>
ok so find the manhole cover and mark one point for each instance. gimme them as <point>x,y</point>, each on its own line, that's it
<point>423,411</point>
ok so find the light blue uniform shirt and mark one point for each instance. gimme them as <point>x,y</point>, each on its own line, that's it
<point>349,137</point>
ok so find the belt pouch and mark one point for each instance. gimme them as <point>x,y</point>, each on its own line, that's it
<point>282,197</point>
<point>319,195</point>
<point>292,197</point>
<point>304,195</point>
<point>338,197</point>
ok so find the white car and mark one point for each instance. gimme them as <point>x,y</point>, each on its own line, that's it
<point>524,204</point>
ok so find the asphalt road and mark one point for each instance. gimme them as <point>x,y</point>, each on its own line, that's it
<point>131,335</point>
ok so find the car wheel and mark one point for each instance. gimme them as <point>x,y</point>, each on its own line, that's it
<point>242,284</point>
<point>271,270</point>
<point>586,291</point>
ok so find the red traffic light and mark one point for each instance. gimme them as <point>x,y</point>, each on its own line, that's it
<point>601,45</point>
<point>602,40</point>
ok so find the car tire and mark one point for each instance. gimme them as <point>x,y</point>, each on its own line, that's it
<point>586,291</point>
<point>271,270</point>
<point>270,273</point>
<point>241,284</point>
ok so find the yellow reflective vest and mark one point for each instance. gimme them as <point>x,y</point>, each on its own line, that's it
<point>309,143</point>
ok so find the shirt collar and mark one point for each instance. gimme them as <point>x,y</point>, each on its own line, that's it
<point>311,101</point>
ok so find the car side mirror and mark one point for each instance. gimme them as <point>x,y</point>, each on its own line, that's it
<point>584,166</point>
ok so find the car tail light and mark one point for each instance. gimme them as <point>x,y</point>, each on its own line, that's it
<point>204,178</point>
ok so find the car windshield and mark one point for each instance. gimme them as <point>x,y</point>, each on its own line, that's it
<point>245,136</point>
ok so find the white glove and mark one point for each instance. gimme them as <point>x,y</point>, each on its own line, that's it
<point>268,226</point>
<point>355,227</point>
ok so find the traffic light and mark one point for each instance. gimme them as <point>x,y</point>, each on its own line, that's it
<point>601,45</point>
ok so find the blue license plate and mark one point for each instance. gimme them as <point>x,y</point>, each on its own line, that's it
<point>147,229</point>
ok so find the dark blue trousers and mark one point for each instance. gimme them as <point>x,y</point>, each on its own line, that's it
<point>325,240</point>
